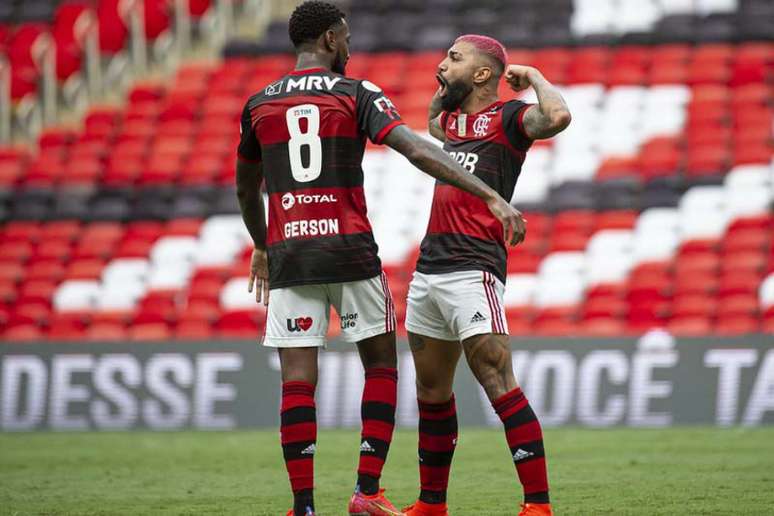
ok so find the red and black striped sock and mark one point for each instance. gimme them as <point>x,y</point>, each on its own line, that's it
<point>437,440</point>
<point>377,410</point>
<point>525,439</point>
<point>298,431</point>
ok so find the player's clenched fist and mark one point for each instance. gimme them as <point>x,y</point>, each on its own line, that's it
<point>518,76</point>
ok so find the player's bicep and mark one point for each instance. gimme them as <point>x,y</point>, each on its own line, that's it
<point>536,125</point>
<point>249,176</point>
<point>249,148</point>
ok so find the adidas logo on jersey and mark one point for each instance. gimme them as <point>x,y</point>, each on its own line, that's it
<point>365,446</point>
<point>521,455</point>
<point>477,318</point>
<point>309,450</point>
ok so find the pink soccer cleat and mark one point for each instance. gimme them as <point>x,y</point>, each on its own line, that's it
<point>371,505</point>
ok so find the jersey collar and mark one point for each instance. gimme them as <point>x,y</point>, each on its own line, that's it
<point>491,107</point>
<point>305,71</point>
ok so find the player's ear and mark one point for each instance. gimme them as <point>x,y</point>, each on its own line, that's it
<point>482,75</point>
<point>329,40</point>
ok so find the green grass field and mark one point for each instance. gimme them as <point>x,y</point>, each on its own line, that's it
<point>678,471</point>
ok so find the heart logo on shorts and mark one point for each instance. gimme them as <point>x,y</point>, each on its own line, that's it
<point>304,323</point>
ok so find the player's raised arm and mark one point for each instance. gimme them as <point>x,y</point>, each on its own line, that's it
<point>551,115</point>
<point>435,162</point>
<point>434,118</point>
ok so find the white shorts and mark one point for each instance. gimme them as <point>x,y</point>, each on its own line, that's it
<point>299,316</point>
<point>456,305</point>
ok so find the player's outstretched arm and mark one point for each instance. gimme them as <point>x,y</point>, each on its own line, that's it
<point>434,118</point>
<point>551,116</point>
<point>248,181</point>
<point>435,162</point>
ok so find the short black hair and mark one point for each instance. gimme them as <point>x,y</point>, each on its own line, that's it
<point>311,19</point>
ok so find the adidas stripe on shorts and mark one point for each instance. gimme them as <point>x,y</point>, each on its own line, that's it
<point>299,316</point>
<point>455,305</point>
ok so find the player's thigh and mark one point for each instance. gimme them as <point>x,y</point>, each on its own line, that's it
<point>471,302</point>
<point>423,315</point>
<point>365,308</point>
<point>297,317</point>
<point>435,361</point>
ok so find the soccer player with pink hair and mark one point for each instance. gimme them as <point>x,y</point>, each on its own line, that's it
<point>455,301</point>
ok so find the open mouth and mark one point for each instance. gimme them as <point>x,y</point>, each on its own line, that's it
<point>443,84</point>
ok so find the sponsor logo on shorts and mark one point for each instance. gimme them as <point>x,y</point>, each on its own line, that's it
<point>348,321</point>
<point>299,324</point>
<point>477,317</point>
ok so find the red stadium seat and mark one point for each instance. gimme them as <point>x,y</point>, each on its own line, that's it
<point>239,324</point>
<point>693,306</point>
<point>739,304</point>
<point>193,330</point>
<point>602,327</point>
<point>737,325</point>
<point>37,291</point>
<point>150,332</point>
<point>22,333</point>
<point>106,331</point>
<point>85,269</point>
<point>556,328</point>
<point>66,330</point>
<point>690,326</point>
<point>605,307</point>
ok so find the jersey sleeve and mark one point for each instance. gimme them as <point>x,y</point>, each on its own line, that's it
<point>249,148</point>
<point>376,114</point>
<point>513,123</point>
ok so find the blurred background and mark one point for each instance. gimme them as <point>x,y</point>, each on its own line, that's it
<point>119,126</point>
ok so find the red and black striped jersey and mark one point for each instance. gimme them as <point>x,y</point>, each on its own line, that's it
<point>309,130</point>
<point>462,233</point>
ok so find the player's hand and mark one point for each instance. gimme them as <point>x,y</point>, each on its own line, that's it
<point>517,76</point>
<point>259,270</point>
<point>514,223</point>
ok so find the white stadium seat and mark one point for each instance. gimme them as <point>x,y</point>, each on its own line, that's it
<point>559,290</point>
<point>562,263</point>
<point>519,289</point>
<point>766,293</point>
<point>76,295</point>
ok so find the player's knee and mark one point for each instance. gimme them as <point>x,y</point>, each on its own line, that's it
<point>434,389</point>
<point>379,351</point>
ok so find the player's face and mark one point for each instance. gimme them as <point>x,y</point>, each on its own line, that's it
<point>342,48</point>
<point>455,75</point>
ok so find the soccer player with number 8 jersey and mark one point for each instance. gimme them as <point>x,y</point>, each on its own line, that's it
<point>305,135</point>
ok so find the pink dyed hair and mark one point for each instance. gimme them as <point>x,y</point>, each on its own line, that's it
<point>486,45</point>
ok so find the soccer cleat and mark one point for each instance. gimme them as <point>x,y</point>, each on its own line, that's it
<point>420,508</point>
<point>536,509</point>
<point>308,512</point>
<point>362,504</point>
